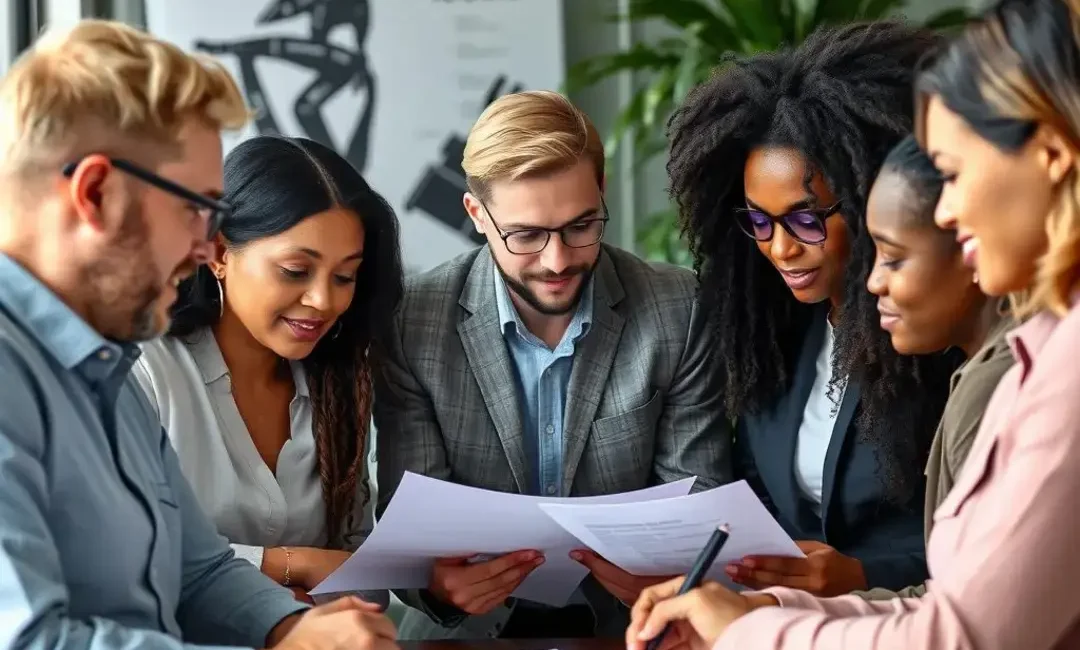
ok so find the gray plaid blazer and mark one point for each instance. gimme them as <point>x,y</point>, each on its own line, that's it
<point>644,403</point>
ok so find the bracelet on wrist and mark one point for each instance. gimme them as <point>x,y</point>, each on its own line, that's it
<point>287,580</point>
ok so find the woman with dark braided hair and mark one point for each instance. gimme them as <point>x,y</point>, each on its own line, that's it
<point>263,383</point>
<point>771,164</point>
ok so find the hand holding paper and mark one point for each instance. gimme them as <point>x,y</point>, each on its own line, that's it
<point>662,537</point>
<point>655,532</point>
<point>478,588</point>
<point>429,519</point>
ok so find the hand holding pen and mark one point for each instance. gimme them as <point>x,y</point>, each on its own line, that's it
<point>689,612</point>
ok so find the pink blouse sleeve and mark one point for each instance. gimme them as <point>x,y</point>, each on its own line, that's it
<point>841,606</point>
<point>1007,565</point>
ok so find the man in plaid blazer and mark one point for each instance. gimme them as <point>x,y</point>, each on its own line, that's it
<point>544,363</point>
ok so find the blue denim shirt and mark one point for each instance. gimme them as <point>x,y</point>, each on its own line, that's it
<point>543,376</point>
<point>102,543</point>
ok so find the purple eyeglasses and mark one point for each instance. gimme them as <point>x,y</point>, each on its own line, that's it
<point>806,226</point>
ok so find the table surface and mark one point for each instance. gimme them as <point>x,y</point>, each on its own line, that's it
<point>517,644</point>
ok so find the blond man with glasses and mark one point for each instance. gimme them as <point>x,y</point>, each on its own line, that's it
<point>546,363</point>
<point>110,177</point>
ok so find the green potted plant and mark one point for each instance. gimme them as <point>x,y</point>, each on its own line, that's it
<point>706,32</point>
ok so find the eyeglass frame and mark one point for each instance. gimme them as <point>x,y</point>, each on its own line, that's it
<point>218,209</point>
<point>822,214</point>
<point>506,234</point>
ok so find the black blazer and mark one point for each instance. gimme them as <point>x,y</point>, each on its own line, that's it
<point>856,519</point>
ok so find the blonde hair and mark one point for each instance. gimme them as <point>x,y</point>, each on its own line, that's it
<point>529,134</point>
<point>984,77</point>
<point>101,81</point>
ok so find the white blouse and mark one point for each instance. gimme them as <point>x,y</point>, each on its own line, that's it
<point>190,386</point>
<point>816,429</point>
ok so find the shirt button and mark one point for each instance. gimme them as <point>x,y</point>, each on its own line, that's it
<point>104,355</point>
<point>551,489</point>
<point>550,428</point>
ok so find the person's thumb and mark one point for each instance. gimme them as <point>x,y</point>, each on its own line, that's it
<point>452,561</point>
<point>667,611</point>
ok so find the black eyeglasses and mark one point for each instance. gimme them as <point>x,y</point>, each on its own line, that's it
<point>211,210</point>
<point>530,241</point>
<point>806,226</point>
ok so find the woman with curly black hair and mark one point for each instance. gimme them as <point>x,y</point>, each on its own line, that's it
<point>264,381</point>
<point>771,164</point>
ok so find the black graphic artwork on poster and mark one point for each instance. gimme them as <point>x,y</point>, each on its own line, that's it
<point>439,190</point>
<point>335,68</point>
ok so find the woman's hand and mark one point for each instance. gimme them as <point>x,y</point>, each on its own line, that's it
<point>697,618</point>
<point>624,586</point>
<point>823,572</point>
<point>301,595</point>
<point>307,566</point>
<point>310,566</point>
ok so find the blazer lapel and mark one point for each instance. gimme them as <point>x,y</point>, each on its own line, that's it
<point>836,443</point>
<point>593,357</point>
<point>482,339</point>
<point>787,418</point>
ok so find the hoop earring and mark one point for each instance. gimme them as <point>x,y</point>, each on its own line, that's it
<point>337,330</point>
<point>221,297</point>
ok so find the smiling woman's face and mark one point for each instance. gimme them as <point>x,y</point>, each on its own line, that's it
<point>996,201</point>
<point>288,290</point>
<point>927,298</point>
<point>774,184</point>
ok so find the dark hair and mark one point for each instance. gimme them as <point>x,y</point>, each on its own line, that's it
<point>274,183</point>
<point>909,161</point>
<point>842,99</point>
<point>1032,37</point>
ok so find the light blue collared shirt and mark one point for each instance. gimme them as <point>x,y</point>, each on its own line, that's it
<point>102,543</point>
<point>543,375</point>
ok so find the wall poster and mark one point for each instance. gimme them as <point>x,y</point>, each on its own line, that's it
<point>393,85</point>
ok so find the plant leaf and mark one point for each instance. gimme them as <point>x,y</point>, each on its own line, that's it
<point>832,12</point>
<point>949,18</point>
<point>755,21</point>
<point>656,94</point>
<point>879,9</point>
<point>659,239</point>
<point>685,13</point>
<point>626,122</point>
<point>648,150</point>
<point>640,57</point>
<point>691,70</point>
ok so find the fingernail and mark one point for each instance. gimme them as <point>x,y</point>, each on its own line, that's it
<point>538,561</point>
<point>731,570</point>
<point>576,555</point>
<point>749,563</point>
<point>531,555</point>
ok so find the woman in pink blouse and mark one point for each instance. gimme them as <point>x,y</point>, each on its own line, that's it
<point>1000,116</point>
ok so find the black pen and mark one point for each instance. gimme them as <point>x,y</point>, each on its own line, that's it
<point>697,573</point>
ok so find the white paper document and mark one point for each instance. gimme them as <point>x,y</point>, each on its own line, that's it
<point>428,519</point>
<point>665,536</point>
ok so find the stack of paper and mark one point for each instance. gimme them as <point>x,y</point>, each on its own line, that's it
<point>656,531</point>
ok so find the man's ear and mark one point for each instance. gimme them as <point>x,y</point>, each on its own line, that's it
<point>85,189</point>
<point>475,210</point>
